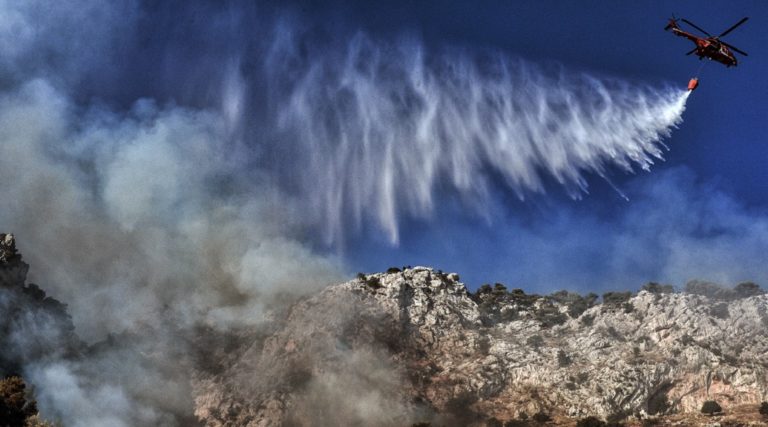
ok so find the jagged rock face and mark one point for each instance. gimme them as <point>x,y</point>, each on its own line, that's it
<point>34,327</point>
<point>402,347</point>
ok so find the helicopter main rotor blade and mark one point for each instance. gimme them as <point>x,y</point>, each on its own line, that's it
<point>743,20</point>
<point>695,26</point>
<point>734,48</point>
<point>692,50</point>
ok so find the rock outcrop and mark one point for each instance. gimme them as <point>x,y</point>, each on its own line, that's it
<point>34,327</point>
<point>415,346</point>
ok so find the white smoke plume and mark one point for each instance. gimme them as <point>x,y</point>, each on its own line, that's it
<point>380,127</point>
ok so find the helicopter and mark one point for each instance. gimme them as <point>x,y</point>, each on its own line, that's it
<point>711,46</point>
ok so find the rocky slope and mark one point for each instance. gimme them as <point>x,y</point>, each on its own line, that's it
<point>34,326</point>
<point>415,346</point>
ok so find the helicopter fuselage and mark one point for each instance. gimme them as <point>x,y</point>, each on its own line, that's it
<point>709,47</point>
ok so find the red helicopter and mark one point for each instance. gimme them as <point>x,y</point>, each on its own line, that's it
<point>711,46</point>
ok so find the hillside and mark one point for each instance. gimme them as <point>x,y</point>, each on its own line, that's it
<point>416,346</point>
<point>409,347</point>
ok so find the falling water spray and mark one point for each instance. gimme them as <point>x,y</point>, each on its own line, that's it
<point>373,128</point>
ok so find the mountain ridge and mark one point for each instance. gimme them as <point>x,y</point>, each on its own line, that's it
<point>458,359</point>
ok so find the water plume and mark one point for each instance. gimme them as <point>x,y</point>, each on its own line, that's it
<point>376,128</point>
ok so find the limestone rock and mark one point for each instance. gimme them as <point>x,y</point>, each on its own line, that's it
<point>418,346</point>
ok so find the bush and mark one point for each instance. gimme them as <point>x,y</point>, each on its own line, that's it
<point>747,289</point>
<point>562,359</point>
<point>535,341</point>
<point>764,409</point>
<point>393,270</point>
<point>616,299</point>
<point>373,282</point>
<point>548,316</point>
<point>576,303</point>
<point>710,407</point>
<point>719,310</point>
<point>587,320</point>
<point>590,421</point>
<point>541,417</point>
<point>655,288</point>
<point>485,289</point>
<point>14,406</point>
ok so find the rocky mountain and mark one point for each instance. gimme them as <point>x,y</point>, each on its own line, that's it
<point>34,327</point>
<point>406,347</point>
<point>415,346</point>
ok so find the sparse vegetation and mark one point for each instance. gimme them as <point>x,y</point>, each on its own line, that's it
<point>484,346</point>
<point>764,409</point>
<point>391,270</point>
<point>541,417</point>
<point>719,310</point>
<point>535,341</point>
<point>549,315</point>
<point>656,288</point>
<point>715,291</point>
<point>520,422</point>
<point>576,303</point>
<point>710,407</point>
<point>563,359</point>
<point>372,282</point>
<point>587,320</point>
<point>616,299</point>
<point>748,289</point>
<point>17,406</point>
<point>590,421</point>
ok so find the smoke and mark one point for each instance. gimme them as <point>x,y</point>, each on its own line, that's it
<point>163,217</point>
